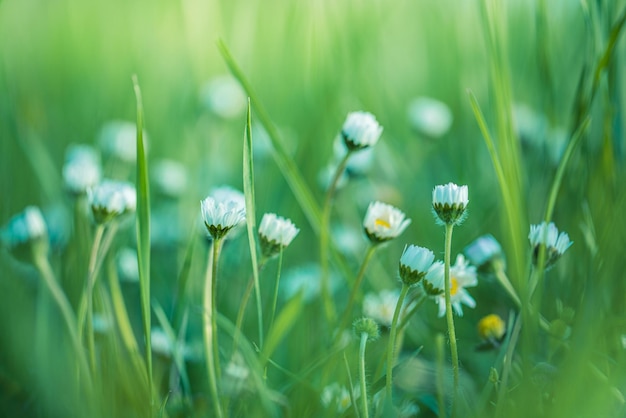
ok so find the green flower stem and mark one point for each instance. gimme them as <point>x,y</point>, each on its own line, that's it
<point>409,314</point>
<point>449,314</point>
<point>392,340</point>
<point>364,337</point>
<point>86,308</point>
<point>43,265</point>
<point>329,308</point>
<point>439,343</point>
<point>355,288</point>
<point>210,327</point>
<point>276,284</point>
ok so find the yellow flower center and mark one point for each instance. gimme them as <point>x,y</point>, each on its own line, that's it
<point>454,286</point>
<point>382,222</point>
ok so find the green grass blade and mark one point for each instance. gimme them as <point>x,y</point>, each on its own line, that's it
<point>248,190</point>
<point>285,163</point>
<point>182,280</point>
<point>143,231</point>
<point>510,209</point>
<point>285,320</point>
<point>176,344</point>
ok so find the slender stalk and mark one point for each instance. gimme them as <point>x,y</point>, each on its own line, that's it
<point>243,306</point>
<point>329,308</point>
<point>449,314</point>
<point>392,341</point>
<point>362,374</point>
<point>43,265</point>
<point>88,298</point>
<point>210,327</point>
<point>357,283</point>
<point>275,299</point>
<point>439,343</point>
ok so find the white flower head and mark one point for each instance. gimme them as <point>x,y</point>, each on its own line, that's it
<point>483,251</point>
<point>225,193</point>
<point>381,306</point>
<point>110,199</point>
<point>360,130</point>
<point>430,116</point>
<point>548,235</point>
<point>384,222</point>
<point>221,216</point>
<point>236,375</point>
<point>223,96</point>
<point>305,279</point>
<point>414,264</point>
<point>119,140</point>
<point>81,169</point>
<point>276,233</point>
<point>450,202</point>
<point>462,275</point>
<point>337,397</point>
<point>26,227</point>
<point>170,178</point>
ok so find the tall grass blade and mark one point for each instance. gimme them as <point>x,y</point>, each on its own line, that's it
<point>285,320</point>
<point>248,190</point>
<point>143,232</point>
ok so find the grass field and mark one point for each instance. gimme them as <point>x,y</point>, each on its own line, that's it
<point>140,314</point>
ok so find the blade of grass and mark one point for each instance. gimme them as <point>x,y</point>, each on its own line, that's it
<point>248,190</point>
<point>177,353</point>
<point>143,234</point>
<point>285,320</point>
<point>182,280</point>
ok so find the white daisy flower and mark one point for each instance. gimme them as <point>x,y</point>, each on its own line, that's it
<point>27,226</point>
<point>360,130</point>
<point>276,232</point>
<point>548,235</point>
<point>449,202</point>
<point>110,199</point>
<point>429,116</point>
<point>82,169</point>
<point>384,222</point>
<point>381,306</point>
<point>484,250</point>
<point>335,396</point>
<point>462,275</point>
<point>221,216</point>
<point>414,263</point>
<point>119,140</point>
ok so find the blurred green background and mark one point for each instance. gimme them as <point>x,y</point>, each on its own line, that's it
<point>65,71</point>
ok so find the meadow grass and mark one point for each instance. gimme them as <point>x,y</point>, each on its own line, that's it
<point>253,95</point>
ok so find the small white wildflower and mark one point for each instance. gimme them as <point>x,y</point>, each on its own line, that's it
<point>381,306</point>
<point>384,222</point>
<point>337,397</point>
<point>414,264</point>
<point>484,250</point>
<point>548,235</point>
<point>221,216</point>
<point>429,116</point>
<point>110,199</point>
<point>236,374</point>
<point>360,130</point>
<point>462,275</point>
<point>276,233</point>
<point>170,178</point>
<point>81,169</point>
<point>25,227</point>
<point>449,202</point>
<point>119,140</point>
<point>223,96</point>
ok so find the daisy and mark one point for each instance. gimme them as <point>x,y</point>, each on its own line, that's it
<point>360,130</point>
<point>384,222</point>
<point>548,235</point>
<point>449,203</point>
